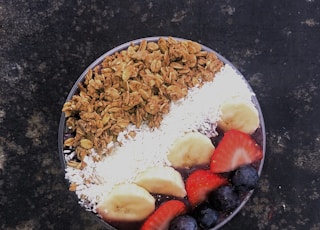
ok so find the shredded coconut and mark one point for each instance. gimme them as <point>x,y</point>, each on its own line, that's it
<point>198,111</point>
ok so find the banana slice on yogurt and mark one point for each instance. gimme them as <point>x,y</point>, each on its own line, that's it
<point>192,149</point>
<point>239,114</point>
<point>162,180</point>
<point>126,202</point>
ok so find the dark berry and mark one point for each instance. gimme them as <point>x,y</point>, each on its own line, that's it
<point>224,198</point>
<point>245,178</point>
<point>184,222</point>
<point>205,215</point>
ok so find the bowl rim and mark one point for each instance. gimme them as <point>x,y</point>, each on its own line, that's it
<point>123,46</point>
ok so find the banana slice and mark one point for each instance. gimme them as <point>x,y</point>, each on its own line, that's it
<point>191,149</point>
<point>126,202</point>
<point>239,114</point>
<point>162,180</point>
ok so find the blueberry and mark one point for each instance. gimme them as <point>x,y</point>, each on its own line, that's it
<point>224,198</point>
<point>184,222</point>
<point>205,215</point>
<point>245,178</point>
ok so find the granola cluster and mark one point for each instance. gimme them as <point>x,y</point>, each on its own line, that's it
<point>134,86</point>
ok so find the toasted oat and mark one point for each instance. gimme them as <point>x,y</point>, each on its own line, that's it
<point>134,86</point>
<point>73,187</point>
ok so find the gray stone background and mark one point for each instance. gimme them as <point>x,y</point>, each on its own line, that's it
<point>45,46</point>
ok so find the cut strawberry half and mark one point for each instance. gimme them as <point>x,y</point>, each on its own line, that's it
<point>234,150</point>
<point>161,218</point>
<point>200,183</point>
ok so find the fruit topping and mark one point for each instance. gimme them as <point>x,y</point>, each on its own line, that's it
<point>184,222</point>
<point>239,114</point>
<point>161,218</point>
<point>200,183</point>
<point>205,216</point>
<point>234,150</point>
<point>224,198</point>
<point>191,149</point>
<point>126,202</point>
<point>162,180</point>
<point>245,178</point>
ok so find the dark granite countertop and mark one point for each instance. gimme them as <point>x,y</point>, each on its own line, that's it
<point>45,46</point>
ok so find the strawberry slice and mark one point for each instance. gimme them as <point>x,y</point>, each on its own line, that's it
<point>234,150</point>
<point>161,218</point>
<point>200,183</point>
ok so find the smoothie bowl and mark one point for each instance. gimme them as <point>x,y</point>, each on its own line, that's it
<point>162,133</point>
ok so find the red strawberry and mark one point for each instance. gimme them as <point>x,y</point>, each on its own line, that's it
<point>234,150</point>
<point>161,218</point>
<point>200,183</point>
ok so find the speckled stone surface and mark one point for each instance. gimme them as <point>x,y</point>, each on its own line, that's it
<point>45,46</point>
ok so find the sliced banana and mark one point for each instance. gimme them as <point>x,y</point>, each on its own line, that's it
<point>239,114</point>
<point>126,202</point>
<point>162,180</point>
<point>191,149</point>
